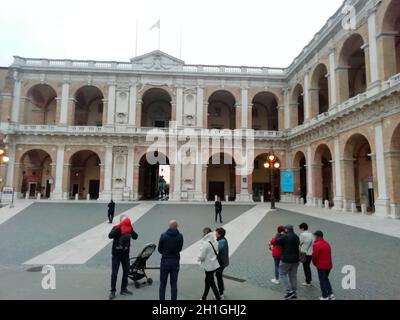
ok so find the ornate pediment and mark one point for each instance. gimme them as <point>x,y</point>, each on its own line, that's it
<point>157,60</point>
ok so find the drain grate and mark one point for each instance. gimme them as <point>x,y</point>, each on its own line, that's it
<point>35,269</point>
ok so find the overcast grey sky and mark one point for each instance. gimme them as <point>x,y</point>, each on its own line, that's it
<point>253,32</point>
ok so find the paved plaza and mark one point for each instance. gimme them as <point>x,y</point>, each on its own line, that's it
<point>73,238</point>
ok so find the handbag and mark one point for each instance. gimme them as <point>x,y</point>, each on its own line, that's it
<point>303,255</point>
<point>216,254</point>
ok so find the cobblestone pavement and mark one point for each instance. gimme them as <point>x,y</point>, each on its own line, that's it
<point>375,256</point>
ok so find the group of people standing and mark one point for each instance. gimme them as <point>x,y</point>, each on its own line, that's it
<point>289,250</point>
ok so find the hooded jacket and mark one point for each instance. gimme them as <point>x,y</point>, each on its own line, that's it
<point>207,258</point>
<point>170,244</point>
<point>289,243</point>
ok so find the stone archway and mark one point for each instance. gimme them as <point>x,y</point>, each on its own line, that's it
<point>221,110</point>
<point>358,172</point>
<point>262,186</point>
<point>89,107</point>
<point>265,112</point>
<point>40,106</point>
<point>297,115</point>
<point>319,93</point>
<point>323,175</point>
<point>156,109</point>
<point>35,177</point>
<point>221,177</point>
<point>300,176</point>
<point>154,176</point>
<point>84,175</point>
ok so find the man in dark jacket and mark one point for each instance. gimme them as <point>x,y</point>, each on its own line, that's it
<point>218,210</point>
<point>289,243</point>
<point>111,211</point>
<point>170,246</point>
<point>120,256</point>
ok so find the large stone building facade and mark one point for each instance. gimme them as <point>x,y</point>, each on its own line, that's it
<point>84,129</point>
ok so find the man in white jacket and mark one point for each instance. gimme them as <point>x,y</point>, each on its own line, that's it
<point>306,248</point>
<point>208,260</point>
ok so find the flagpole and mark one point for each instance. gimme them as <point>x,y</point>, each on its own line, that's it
<point>159,35</point>
<point>137,33</point>
<point>180,42</point>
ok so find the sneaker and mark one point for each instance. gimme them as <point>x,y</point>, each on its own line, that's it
<point>322,298</point>
<point>275,281</point>
<point>332,297</point>
<point>291,295</point>
<point>126,292</point>
<point>305,284</point>
<point>222,297</point>
<point>112,295</point>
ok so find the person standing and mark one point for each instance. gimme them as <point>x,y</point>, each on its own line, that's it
<point>218,210</point>
<point>290,243</point>
<point>276,253</point>
<point>170,246</point>
<point>111,211</point>
<point>306,249</point>
<point>120,256</point>
<point>322,259</point>
<point>223,254</point>
<point>208,260</point>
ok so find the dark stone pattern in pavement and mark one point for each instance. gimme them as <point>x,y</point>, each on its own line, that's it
<point>191,219</point>
<point>42,226</point>
<point>376,258</point>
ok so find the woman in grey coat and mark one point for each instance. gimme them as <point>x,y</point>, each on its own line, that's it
<point>223,255</point>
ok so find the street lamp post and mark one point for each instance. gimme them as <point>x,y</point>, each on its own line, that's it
<point>272,164</point>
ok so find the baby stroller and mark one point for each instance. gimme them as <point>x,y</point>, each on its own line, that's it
<point>138,267</point>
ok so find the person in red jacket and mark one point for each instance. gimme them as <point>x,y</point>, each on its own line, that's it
<point>276,253</point>
<point>322,259</point>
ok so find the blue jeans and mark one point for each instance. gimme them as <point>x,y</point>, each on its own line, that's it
<point>277,262</point>
<point>169,267</point>
<point>324,283</point>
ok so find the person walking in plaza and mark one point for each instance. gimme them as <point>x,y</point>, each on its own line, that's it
<point>208,260</point>
<point>170,246</point>
<point>111,211</point>
<point>306,246</point>
<point>276,253</point>
<point>223,254</point>
<point>218,210</point>
<point>290,243</point>
<point>322,259</point>
<point>120,256</point>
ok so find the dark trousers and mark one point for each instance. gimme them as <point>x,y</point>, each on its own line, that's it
<point>277,261</point>
<point>307,269</point>
<point>122,259</point>
<point>210,283</point>
<point>324,283</point>
<point>110,216</point>
<point>220,280</point>
<point>169,267</point>
<point>218,213</point>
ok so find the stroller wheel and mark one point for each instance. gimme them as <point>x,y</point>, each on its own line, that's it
<point>137,285</point>
<point>149,281</point>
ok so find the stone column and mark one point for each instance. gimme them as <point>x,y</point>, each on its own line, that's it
<point>130,170</point>
<point>199,107</point>
<point>245,108</point>
<point>16,99</point>
<point>287,112</point>
<point>58,179</point>
<point>64,104</point>
<point>204,181</point>
<point>139,113</point>
<point>338,199</point>
<point>332,78</point>
<point>177,182</point>
<point>342,83</point>
<point>111,105</point>
<point>281,118</point>
<point>373,49</point>
<point>132,105</point>
<point>387,51</point>
<point>136,172</point>
<point>10,166</point>
<point>179,106</point>
<point>382,204</point>
<point>307,102</point>
<point>198,195</point>
<point>66,181</point>
<point>106,194</point>
<point>310,183</point>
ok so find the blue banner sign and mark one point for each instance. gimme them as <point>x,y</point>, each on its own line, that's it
<point>287,181</point>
